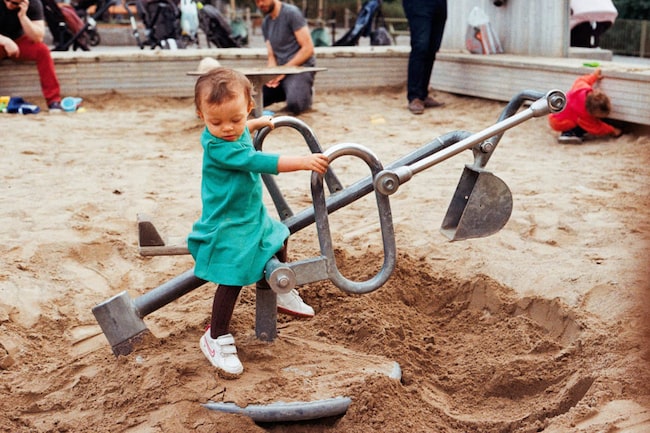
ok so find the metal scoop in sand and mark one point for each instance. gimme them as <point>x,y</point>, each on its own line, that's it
<point>481,206</point>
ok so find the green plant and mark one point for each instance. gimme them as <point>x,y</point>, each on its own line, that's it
<point>633,9</point>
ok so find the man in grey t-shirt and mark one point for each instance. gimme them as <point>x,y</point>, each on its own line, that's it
<point>288,42</point>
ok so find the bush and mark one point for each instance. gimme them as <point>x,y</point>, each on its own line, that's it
<point>633,9</point>
<point>624,38</point>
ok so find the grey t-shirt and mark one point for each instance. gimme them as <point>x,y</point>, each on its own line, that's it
<point>280,33</point>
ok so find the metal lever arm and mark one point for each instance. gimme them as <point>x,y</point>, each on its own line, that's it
<point>388,181</point>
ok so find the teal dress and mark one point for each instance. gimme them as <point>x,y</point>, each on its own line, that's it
<point>235,236</point>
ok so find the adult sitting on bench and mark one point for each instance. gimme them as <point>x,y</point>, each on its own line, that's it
<point>22,28</point>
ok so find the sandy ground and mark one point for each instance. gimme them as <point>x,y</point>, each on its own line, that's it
<point>542,326</point>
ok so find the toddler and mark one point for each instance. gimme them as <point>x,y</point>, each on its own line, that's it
<point>235,237</point>
<point>585,110</point>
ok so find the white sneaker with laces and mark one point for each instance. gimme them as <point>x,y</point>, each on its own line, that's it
<point>222,353</point>
<point>291,303</point>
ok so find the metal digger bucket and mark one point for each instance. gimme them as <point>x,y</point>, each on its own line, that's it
<point>481,206</point>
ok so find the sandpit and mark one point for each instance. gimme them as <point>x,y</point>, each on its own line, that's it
<point>542,326</point>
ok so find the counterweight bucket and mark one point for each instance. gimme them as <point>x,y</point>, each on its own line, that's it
<point>481,206</point>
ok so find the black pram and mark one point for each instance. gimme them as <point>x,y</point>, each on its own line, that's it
<point>162,23</point>
<point>370,22</point>
<point>217,29</point>
<point>67,28</point>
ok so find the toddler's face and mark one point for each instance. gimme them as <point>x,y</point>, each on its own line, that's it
<point>226,120</point>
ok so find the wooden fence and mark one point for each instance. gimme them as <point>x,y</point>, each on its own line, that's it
<point>628,38</point>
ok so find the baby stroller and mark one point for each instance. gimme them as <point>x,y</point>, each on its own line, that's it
<point>217,29</point>
<point>370,22</point>
<point>90,20</point>
<point>65,25</point>
<point>68,29</point>
<point>162,23</point>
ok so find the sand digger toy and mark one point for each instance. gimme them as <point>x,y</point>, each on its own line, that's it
<point>481,205</point>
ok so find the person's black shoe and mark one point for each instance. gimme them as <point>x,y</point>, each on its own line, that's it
<point>55,107</point>
<point>569,138</point>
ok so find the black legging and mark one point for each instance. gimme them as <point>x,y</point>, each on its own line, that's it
<point>225,299</point>
<point>223,306</point>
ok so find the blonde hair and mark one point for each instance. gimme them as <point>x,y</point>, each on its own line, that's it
<point>220,85</point>
<point>598,104</point>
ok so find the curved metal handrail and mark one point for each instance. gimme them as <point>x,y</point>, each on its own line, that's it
<point>385,219</point>
<point>281,205</point>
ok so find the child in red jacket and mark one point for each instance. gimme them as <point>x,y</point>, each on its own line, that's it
<point>586,107</point>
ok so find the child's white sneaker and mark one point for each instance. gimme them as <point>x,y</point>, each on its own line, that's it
<point>222,353</point>
<point>291,303</point>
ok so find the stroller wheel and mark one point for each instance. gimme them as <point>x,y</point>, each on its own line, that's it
<point>93,38</point>
<point>188,41</point>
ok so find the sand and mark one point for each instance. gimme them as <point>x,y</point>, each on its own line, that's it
<point>542,326</point>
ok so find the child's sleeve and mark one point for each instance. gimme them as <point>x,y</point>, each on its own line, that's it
<point>244,158</point>
<point>586,80</point>
<point>596,126</point>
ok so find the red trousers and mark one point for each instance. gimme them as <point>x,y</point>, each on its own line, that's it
<point>39,52</point>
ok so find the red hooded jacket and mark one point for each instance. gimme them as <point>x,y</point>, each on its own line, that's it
<point>575,113</point>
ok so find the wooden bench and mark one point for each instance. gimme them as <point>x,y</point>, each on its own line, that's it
<point>499,77</point>
<point>163,72</point>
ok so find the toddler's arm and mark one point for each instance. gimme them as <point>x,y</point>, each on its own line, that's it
<point>598,73</point>
<point>259,123</point>
<point>316,162</point>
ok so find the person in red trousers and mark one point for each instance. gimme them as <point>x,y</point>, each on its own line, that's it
<point>22,28</point>
<point>585,111</point>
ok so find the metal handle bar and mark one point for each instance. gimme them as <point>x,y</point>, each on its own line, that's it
<point>483,151</point>
<point>281,205</point>
<point>389,181</point>
<point>385,220</point>
<point>283,277</point>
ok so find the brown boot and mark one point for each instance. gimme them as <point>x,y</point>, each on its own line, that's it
<point>416,106</point>
<point>429,102</point>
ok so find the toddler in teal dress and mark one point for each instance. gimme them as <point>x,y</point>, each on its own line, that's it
<point>235,237</point>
